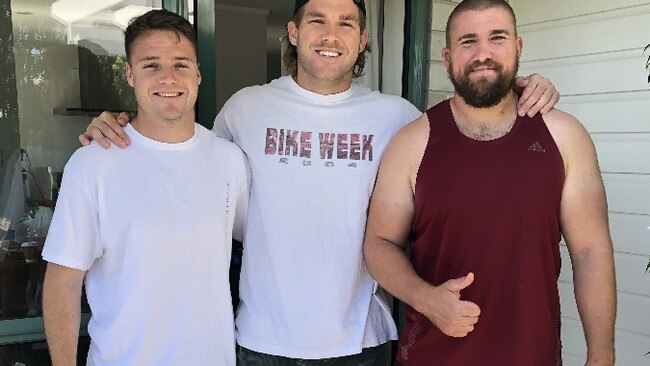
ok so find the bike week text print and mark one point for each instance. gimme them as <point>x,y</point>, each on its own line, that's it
<point>339,146</point>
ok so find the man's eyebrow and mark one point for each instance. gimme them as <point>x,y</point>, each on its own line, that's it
<point>318,14</point>
<point>500,31</point>
<point>148,58</point>
<point>154,58</point>
<point>315,14</point>
<point>492,33</point>
<point>349,17</point>
<point>467,35</point>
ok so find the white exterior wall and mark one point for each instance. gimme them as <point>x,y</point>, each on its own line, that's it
<point>440,87</point>
<point>592,51</point>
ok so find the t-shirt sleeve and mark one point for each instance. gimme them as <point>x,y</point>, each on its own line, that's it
<point>73,239</point>
<point>221,125</point>
<point>241,209</point>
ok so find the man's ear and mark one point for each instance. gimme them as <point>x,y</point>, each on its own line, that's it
<point>292,30</point>
<point>520,47</point>
<point>129,74</point>
<point>446,57</point>
<point>364,40</point>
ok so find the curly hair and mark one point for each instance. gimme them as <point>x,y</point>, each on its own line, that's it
<point>290,56</point>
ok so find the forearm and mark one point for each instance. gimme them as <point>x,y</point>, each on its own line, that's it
<point>391,268</point>
<point>595,290</point>
<point>62,315</point>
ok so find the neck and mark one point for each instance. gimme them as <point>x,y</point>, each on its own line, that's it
<point>164,131</point>
<point>323,86</point>
<point>485,123</point>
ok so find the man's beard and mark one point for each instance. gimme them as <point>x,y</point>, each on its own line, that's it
<point>482,93</point>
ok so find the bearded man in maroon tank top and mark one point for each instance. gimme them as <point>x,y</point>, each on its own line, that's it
<point>484,197</point>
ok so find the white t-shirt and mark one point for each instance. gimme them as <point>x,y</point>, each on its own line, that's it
<point>305,291</point>
<point>152,226</point>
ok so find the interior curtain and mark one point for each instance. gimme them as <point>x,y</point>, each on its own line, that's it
<point>372,70</point>
<point>385,22</point>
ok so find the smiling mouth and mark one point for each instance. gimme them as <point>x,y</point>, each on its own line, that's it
<point>329,53</point>
<point>169,95</point>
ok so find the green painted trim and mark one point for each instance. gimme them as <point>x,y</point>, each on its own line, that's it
<point>31,330</point>
<point>416,52</point>
<point>205,19</point>
<point>176,6</point>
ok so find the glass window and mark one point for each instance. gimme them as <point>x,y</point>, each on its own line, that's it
<point>63,61</point>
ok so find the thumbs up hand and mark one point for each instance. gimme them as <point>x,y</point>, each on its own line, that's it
<point>443,306</point>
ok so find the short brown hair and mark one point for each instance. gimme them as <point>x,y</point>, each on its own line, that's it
<point>467,5</point>
<point>156,20</point>
<point>290,56</point>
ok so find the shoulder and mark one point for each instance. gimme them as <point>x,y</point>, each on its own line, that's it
<point>564,127</point>
<point>251,94</point>
<point>92,157</point>
<point>570,135</point>
<point>397,103</point>
<point>219,144</point>
<point>413,134</point>
<point>561,121</point>
<point>410,141</point>
<point>387,110</point>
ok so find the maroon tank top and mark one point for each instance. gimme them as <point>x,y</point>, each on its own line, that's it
<point>492,208</point>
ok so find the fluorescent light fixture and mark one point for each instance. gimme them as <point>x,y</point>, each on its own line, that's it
<point>70,11</point>
<point>122,17</point>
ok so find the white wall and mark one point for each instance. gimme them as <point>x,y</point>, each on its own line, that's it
<point>592,50</point>
<point>440,87</point>
<point>393,47</point>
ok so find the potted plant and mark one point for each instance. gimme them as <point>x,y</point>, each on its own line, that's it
<point>647,67</point>
<point>647,63</point>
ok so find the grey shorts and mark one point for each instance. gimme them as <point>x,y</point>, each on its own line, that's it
<point>374,356</point>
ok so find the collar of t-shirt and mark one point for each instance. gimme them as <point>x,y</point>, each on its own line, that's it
<point>137,137</point>
<point>320,98</point>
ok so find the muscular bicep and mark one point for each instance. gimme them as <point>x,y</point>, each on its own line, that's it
<point>392,206</point>
<point>583,209</point>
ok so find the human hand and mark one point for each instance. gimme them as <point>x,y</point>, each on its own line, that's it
<point>108,126</point>
<point>537,94</point>
<point>443,306</point>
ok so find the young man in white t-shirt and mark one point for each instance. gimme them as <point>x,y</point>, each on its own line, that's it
<point>314,140</point>
<point>149,228</point>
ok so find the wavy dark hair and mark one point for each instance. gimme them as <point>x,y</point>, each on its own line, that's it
<point>156,20</point>
<point>290,56</point>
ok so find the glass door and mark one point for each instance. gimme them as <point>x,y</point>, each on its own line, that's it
<point>62,62</point>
